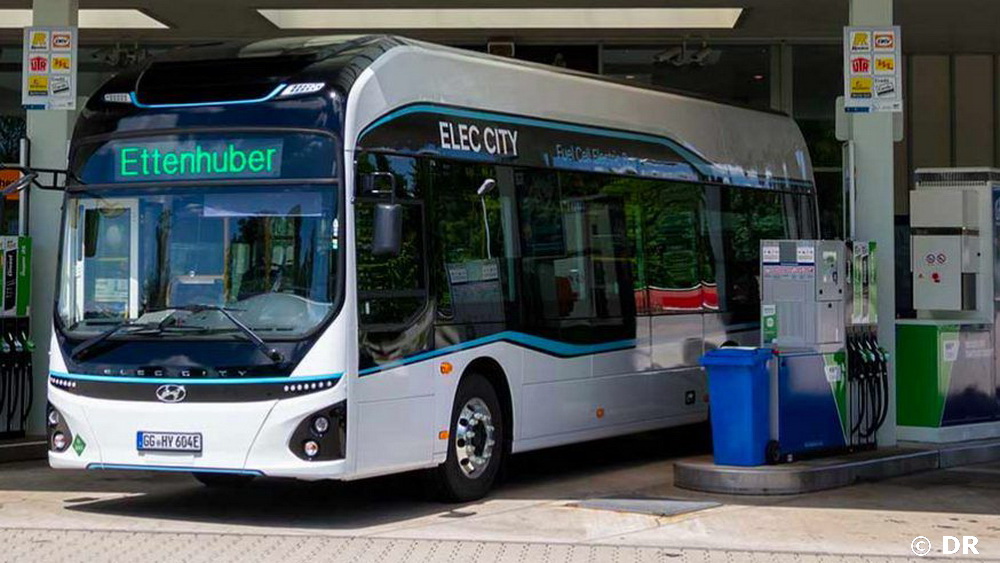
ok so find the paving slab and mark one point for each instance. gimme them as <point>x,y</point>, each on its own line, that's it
<point>56,546</point>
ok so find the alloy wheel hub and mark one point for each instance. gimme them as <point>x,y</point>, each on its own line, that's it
<point>474,437</point>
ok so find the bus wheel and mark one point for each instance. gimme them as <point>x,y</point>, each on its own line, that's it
<point>223,480</point>
<point>475,443</point>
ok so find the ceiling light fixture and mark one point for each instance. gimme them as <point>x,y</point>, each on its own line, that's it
<point>504,18</point>
<point>89,19</point>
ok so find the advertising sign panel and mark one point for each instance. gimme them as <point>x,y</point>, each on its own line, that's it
<point>871,69</point>
<point>49,68</point>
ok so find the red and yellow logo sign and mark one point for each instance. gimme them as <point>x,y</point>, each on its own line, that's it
<point>885,64</point>
<point>61,64</point>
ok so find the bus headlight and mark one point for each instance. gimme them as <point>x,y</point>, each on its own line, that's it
<point>53,417</point>
<point>321,435</point>
<point>59,441</point>
<point>321,424</point>
<point>59,434</point>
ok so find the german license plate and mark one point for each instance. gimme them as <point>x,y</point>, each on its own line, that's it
<point>168,441</point>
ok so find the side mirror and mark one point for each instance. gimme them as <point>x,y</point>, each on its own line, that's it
<point>387,239</point>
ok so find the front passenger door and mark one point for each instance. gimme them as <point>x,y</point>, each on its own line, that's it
<point>394,398</point>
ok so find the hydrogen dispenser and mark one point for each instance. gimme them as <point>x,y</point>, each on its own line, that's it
<point>946,367</point>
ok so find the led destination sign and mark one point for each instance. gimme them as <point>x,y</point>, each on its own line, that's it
<point>198,159</point>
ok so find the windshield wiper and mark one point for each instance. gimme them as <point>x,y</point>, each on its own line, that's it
<point>158,327</point>
<point>90,343</point>
<point>272,354</point>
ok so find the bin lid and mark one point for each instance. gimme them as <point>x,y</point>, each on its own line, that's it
<point>736,356</point>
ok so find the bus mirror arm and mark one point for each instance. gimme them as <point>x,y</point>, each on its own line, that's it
<point>377,184</point>
<point>21,183</point>
<point>30,177</point>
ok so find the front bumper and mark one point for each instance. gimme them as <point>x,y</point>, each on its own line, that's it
<point>238,437</point>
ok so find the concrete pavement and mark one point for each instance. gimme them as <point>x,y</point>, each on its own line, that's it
<point>49,515</point>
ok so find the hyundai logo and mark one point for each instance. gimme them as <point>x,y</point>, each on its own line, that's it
<point>171,393</point>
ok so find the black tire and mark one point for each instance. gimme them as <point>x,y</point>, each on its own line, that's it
<point>458,484</point>
<point>223,480</point>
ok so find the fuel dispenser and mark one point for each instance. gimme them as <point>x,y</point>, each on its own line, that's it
<point>16,346</point>
<point>829,383</point>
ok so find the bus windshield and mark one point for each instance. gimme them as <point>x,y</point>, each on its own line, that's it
<point>154,255</point>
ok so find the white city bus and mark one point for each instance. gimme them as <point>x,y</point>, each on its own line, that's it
<point>334,258</point>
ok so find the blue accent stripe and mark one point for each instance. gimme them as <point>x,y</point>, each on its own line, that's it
<point>196,381</point>
<point>173,469</point>
<point>137,103</point>
<point>543,344</point>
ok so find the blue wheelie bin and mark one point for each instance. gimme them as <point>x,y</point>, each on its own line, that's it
<point>739,399</point>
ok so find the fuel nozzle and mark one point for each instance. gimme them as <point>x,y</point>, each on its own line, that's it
<point>859,356</point>
<point>29,344</point>
<point>867,356</point>
<point>874,353</point>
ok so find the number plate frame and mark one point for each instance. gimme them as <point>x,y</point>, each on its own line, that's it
<point>153,441</point>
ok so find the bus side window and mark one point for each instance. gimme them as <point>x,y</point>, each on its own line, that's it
<point>394,315</point>
<point>469,245</point>
<point>577,260</point>
<point>739,219</point>
<point>671,241</point>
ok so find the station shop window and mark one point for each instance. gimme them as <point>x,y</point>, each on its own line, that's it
<point>817,79</point>
<point>735,73</point>
<point>584,58</point>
